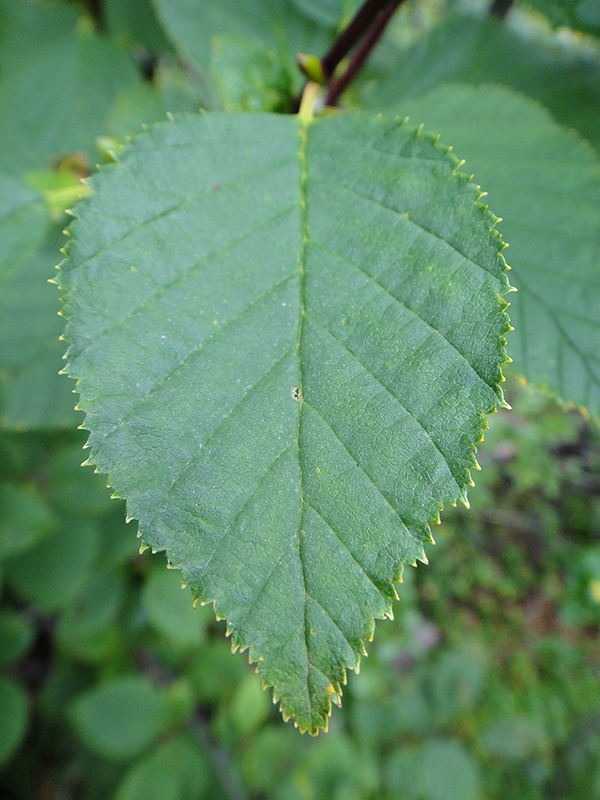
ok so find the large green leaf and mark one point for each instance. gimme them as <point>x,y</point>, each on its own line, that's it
<point>476,50</point>
<point>55,90</point>
<point>545,183</point>
<point>286,336</point>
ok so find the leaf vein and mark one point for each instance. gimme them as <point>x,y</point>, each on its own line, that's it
<point>408,308</point>
<point>216,429</point>
<point>238,514</point>
<point>405,215</point>
<point>164,288</point>
<point>363,470</point>
<point>392,395</point>
<point>345,546</point>
<point>194,352</point>
<point>177,207</point>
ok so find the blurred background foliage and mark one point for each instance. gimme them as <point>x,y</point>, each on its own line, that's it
<point>486,684</point>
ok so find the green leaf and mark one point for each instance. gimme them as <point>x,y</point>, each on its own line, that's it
<point>450,772</point>
<point>270,28</point>
<point>135,22</point>
<point>13,717</point>
<point>250,78</point>
<point>582,15</point>
<point>89,630</point>
<point>23,222</point>
<point>249,707</point>
<point>465,49</point>
<point>25,519</point>
<point>545,183</point>
<point>32,393</point>
<point>175,771</point>
<point>16,636</point>
<point>120,718</point>
<point>169,609</point>
<point>286,336</point>
<point>440,770</point>
<point>51,574</point>
<point>54,96</point>
<point>143,103</point>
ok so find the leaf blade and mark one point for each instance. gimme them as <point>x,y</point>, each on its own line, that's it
<point>295,444</point>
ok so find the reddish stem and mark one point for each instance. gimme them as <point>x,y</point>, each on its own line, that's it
<point>366,45</point>
<point>361,23</point>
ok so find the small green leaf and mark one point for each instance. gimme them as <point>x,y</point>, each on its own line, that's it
<point>177,770</point>
<point>16,636</point>
<point>25,519</point>
<point>169,610</point>
<point>250,706</point>
<point>287,334</point>
<point>440,770</point>
<point>13,717</point>
<point>545,183</point>
<point>50,574</point>
<point>248,77</point>
<point>120,718</point>
<point>88,628</point>
<point>281,27</point>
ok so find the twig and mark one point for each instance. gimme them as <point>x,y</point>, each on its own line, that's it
<point>366,45</point>
<point>362,21</point>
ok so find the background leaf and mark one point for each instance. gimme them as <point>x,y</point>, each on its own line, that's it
<point>23,222</point>
<point>581,15</point>
<point>121,717</point>
<point>13,717</point>
<point>268,34</point>
<point>66,78</point>
<point>32,393</point>
<point>175,771</point>
<point>480,50</point>
<point>545,183</point>
<point>312,434</point>
<point>24,521</point>
<point>134,22</point>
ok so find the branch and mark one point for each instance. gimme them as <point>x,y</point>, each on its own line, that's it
<point>367,43</point>
<point>361,23</point>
